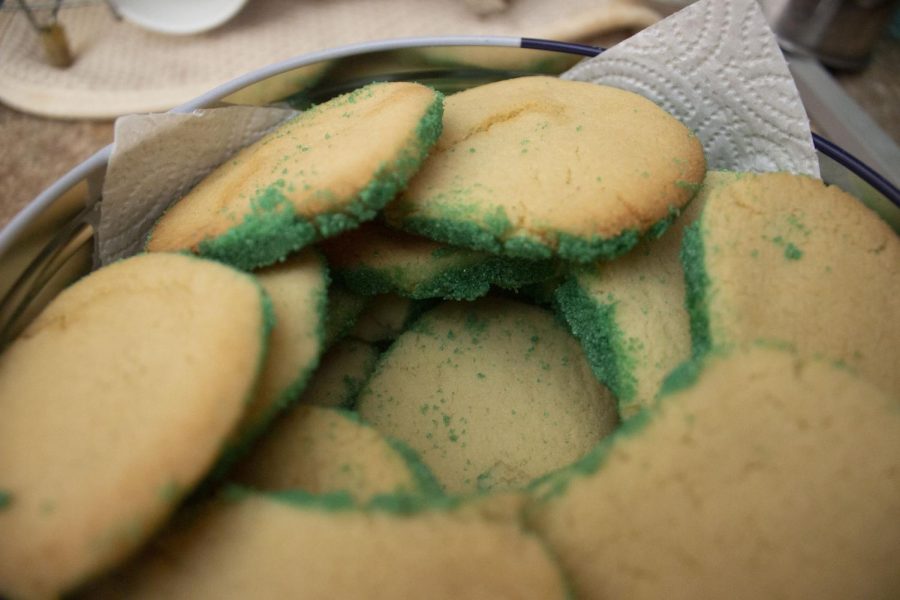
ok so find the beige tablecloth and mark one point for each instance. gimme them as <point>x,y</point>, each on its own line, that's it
<point>120,68</point>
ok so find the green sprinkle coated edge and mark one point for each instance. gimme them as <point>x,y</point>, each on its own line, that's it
<point>237,449</point>
<point>425,481</point>
<point>555,483</point>
<point>342,501</point>
<point>489,238</point>
<point>594,324</point>
<point>272,230</point>
<point>467,282</point>
<point>697,286</point>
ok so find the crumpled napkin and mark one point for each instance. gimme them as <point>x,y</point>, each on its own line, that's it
<point>717,67</point>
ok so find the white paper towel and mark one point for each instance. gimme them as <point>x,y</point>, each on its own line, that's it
<point>157,158</point>
<point>714,65</point>
<point>717,67</point>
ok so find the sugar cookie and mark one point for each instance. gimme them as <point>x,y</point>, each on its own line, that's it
<point>297,289</point>
<point>258,546</point>
<point>629,314</point>
<point>321,173</point>
<point>323,450</point>
<point>537,167</point>
<point>115,401</point>
<point>759,475</point>
<point>490,393</point>
<point>786,257</point>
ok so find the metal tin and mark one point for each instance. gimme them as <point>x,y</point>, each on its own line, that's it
<point>840,33</point>
<point>50,243</point>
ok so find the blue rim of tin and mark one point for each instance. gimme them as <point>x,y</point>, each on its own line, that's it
<point>862,170</point>
<point>553,46</point>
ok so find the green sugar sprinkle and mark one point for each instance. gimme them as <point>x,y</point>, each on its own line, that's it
<point>795,222</point>
<point>527,248</point>
<point>425,481</point>
<point>792,252</point>
<point>681,378</point>
<point>271,219</point>
<point>400,504</point>
<point>697,286</point>
<point>661,226</point>
<point>6,499</point>
<point>594,325</point>
<point>411,504</point>
<point>585,250</point>
<point>556,482</point>
<point>497,221</point>
<point>494,233</point>
<point>272,230</point>
<point>690,186</point>
<point>466,280</point>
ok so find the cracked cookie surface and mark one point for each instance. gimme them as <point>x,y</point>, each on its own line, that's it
<point>536,167</point>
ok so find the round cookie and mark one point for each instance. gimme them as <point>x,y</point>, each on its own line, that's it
<point>374,259</point>
<point>786,257</point>
<point>322,451</point>
<point>297,288</point>
<point>535,167</point>
<point>115,401</point>
<point>758,475</point>
<point>491,394</point>
<point>629,314</point>
<point>321,173</point>
<point>278,547</point>
<point>341,374</point>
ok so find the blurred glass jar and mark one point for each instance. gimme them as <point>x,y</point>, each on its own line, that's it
<point>840,33</point>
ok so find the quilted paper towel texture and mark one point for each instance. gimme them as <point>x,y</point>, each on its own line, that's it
<point>717,67</point>
<point>159,157</point>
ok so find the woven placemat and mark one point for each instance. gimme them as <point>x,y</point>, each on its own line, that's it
<point>122,69</point>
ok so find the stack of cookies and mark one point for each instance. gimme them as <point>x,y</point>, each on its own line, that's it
<point>515,342</point>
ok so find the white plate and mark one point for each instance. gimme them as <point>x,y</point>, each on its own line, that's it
<point>179,17</point>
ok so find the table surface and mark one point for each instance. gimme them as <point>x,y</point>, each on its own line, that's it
<point>35,151</point>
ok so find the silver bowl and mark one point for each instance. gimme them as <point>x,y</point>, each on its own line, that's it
<point>51,243</point>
